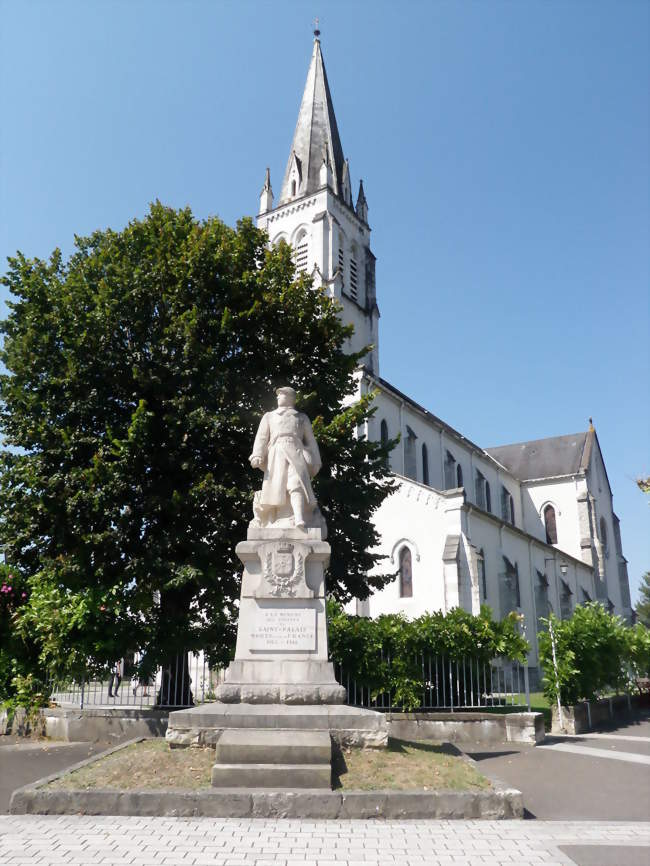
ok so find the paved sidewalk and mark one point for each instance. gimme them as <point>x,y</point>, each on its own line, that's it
<point>110,841</point>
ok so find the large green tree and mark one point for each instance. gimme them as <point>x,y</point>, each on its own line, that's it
<point>136,374</point>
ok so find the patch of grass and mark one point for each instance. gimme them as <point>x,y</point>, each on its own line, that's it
<point>539,704</point>
<point>149,764</point>
<point>405,765</point>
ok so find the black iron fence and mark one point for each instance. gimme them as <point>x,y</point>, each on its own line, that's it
<point>442,684</point>
<point>435,683</point>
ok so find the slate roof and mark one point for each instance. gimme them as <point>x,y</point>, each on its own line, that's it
<point>546,458</point>
<point>316,132</point>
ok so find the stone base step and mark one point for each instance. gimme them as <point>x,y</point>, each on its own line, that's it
<point>272,776</point>
<point>204,725</point>
<point>250,746</point>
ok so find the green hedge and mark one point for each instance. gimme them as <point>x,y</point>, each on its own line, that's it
<point>384,654</point>
<point>595,652</point>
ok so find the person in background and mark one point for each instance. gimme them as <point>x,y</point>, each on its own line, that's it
<point>116,678</point>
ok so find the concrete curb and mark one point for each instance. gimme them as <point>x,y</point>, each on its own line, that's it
<point>499,803</point>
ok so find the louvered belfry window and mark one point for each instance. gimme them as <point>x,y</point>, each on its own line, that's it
<point>342,262</point>
<point>302,253</point>
<point>353,277</point>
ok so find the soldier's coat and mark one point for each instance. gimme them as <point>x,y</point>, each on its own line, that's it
<point>289,455</point>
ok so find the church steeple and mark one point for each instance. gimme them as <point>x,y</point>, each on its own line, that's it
<point>316,132</point>
<point>316,215</point>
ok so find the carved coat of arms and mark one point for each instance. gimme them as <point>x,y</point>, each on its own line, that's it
<point>283,570</point>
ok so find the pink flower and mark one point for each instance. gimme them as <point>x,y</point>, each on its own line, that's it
<point>24,595</point>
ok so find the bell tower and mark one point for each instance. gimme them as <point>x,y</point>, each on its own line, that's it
<point>315,213</point>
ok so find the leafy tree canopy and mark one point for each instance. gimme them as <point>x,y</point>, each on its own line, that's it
<point>137,372</point>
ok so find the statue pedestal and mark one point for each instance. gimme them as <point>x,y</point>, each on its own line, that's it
<point>281,653</point>
<point>280,707</point>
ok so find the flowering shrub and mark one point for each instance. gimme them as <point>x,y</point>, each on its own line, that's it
<point>17,655</point>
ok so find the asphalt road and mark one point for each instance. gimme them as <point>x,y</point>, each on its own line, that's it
<point>23,761</point>
<point>602,776</point>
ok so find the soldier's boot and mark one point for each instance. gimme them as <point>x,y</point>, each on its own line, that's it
<point>298,506</point>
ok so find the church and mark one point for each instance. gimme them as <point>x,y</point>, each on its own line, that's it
<point>528,527</point>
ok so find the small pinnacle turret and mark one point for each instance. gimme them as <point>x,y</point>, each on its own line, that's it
<point>362,205</point>
<point>266,196</point>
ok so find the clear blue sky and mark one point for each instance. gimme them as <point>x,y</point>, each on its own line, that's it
<point>504,152</point>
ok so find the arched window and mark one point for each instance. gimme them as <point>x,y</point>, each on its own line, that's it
<point>425,464</point>
<point>509,594</point>
<point>459,475</point>
<point>383,432</point>
<point>450,471</point>
<point>488,497</point>
<point>549,523</point>
<point>603,536</point>
<point>410,461</point>
<point>479,485</point>
<point>507,506</point>
<point>293,187</point>
<point>482,580</point>
<point>405,573</point>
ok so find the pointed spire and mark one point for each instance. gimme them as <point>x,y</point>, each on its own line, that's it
<point>316,130</point>
<point>362,204</point>
<point>266,196</point>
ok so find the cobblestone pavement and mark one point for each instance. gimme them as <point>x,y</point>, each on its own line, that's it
<point>86,841</point>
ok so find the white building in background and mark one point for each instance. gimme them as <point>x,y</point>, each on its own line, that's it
<point>527,527</point>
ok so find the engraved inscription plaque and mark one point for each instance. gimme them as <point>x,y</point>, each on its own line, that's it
<point>284,628</point>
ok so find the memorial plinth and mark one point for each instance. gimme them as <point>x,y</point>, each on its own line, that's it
<point>281,653</point>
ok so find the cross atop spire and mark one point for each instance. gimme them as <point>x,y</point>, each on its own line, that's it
<point>316,132</point>
<point>316,28</point>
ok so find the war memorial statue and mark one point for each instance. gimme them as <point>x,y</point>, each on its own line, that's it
<point>280,705</point>
<point>287,452</point>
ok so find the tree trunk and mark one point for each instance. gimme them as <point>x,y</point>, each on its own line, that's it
<point>175,684</point>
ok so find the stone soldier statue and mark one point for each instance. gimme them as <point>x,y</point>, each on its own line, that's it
<point>286,450</point>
